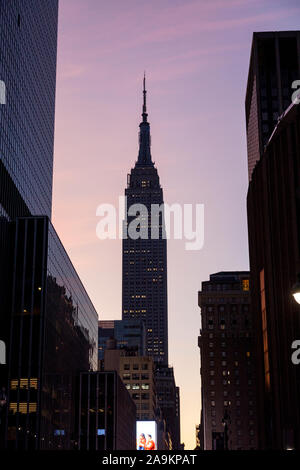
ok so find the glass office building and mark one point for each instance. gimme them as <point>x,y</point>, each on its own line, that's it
<point>28,49</point>
<point>54,334</point>
<point>28,45</point>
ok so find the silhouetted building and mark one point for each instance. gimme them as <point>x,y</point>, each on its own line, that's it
<point>274,65</point>
<point>169,401</point>
<point>145,259</point>
<point>164,441</point>
<point>274,241</point>
<point>106,413</point>
<point>54,333</point>
<point>229,417</point>
<point>199,437</point>
<point>129,335</point>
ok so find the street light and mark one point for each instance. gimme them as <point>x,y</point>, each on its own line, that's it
<point>296,290</point>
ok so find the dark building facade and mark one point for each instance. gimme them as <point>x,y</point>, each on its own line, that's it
<point>145,260</point>
<point>273,203</point>
<point>106,413</point>
<point>228,416</point>
<point>53,336</point>
<point>169,402</point>
<point>128,334</point>
<point>274,65</point>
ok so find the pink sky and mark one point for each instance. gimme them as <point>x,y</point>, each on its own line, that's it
<point>196,55</point>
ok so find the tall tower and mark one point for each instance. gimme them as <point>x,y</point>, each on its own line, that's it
<point>145,260</point>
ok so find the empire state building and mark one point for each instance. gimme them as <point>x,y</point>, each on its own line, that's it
<point>145,258</point>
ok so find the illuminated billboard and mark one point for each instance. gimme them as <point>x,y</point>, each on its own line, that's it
<point>146,435</point>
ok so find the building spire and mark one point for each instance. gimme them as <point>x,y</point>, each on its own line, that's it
<point>145,115</point>
<point>144,158</point>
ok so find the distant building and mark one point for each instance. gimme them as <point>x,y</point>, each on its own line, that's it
<point>274,244</point>
<point>229,416</point>
<point>137,373</point>
<point>54,332</point>
<point>129,335</point>
<point>106,413</point>
<point>274,65</point>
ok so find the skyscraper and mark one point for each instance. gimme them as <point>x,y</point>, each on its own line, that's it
<point>274,65</point>
<point>228,417</point>
<point>274,239</point>
<point>28,45</point>
<point>145,259</point>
